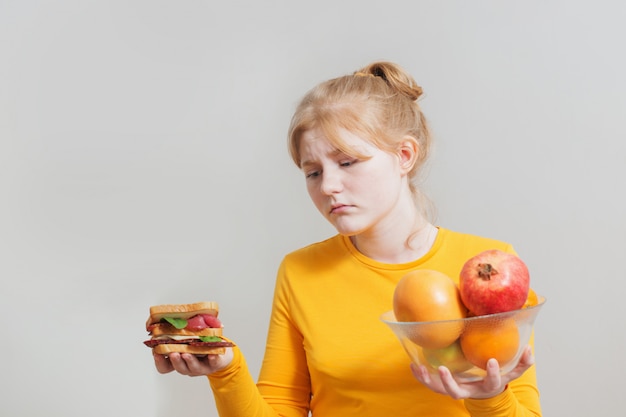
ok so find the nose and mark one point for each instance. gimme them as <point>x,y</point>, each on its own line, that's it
<point>331,182</point>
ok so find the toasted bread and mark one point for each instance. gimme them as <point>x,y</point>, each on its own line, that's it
<point>195,350</point>
<point>181,311</point>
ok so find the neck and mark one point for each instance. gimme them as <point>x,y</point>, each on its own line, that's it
<point>396,248</point>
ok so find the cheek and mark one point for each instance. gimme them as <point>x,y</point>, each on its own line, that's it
<point>385,182</point>
<point>320,201</point>
<point>314,194</point>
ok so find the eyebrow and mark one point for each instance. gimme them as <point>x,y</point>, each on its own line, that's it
<point>334,152</point>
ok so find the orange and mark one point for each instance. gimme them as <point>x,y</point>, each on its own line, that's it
<point>482,340</point>
<point>426,296</point>
<point>532,299</point>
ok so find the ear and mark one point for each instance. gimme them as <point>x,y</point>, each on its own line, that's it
<point>408,153</point>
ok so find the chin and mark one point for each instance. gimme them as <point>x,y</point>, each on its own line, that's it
<point>346,228</point>
<point>348,231</point>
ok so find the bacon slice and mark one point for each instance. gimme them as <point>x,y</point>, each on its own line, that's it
<point>192,342</point>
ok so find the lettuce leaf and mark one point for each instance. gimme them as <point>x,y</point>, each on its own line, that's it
<point>178,323</point>
<point>210,338</point>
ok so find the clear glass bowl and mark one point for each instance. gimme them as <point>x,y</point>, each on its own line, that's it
<point>502,335</point>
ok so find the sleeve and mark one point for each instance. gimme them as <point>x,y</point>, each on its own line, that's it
<point>284,379</point>
<point>235,392</point>
<point>283,388</point>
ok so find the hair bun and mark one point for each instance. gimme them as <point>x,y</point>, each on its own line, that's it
<point>416,92</point>
<point>396,77</point>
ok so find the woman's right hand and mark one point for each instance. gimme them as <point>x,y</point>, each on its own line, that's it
<point>191,365</point>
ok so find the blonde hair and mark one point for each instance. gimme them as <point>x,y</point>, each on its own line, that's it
<point>378,103</point>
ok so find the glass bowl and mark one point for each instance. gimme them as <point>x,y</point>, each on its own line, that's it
<point>502,336</point>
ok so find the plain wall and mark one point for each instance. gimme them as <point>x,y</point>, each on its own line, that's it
<point>143,161</point>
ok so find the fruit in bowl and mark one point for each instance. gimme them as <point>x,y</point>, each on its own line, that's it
<point>500,335</point>
<point>494,281</point>
<point>496,338</point>
<point>451,356</point>
<point>425,296</point>
<point>490,314</point>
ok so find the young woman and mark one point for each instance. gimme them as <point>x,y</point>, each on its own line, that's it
<point>360,141</point>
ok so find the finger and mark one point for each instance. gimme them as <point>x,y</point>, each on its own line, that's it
<point>179,364</point>
<point>196,365</point>
<point>493,380</point>
<point>527,357</point>
<point>527,360</point>
<point>450,385</point>
<point>213,360</point>
<point>217,362</point>
<point>162,363</point>
<point>421,374</point>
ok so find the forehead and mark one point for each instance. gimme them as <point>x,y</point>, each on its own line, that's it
<point>315,144</point>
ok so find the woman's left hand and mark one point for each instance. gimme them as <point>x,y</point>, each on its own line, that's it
<point>492,385</point>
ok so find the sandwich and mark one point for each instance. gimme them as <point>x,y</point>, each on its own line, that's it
<point>186,328</point>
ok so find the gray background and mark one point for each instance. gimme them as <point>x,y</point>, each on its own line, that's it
<point>143,161</point>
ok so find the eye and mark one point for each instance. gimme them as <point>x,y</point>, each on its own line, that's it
<point>312,174</point>
<point>348,163</point>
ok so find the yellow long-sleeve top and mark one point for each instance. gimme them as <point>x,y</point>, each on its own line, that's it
<point>328,351</point>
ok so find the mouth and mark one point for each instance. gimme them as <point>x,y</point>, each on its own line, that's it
<point>338,208</point>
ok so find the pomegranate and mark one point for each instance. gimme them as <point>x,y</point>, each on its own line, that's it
<point>493,282</point>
